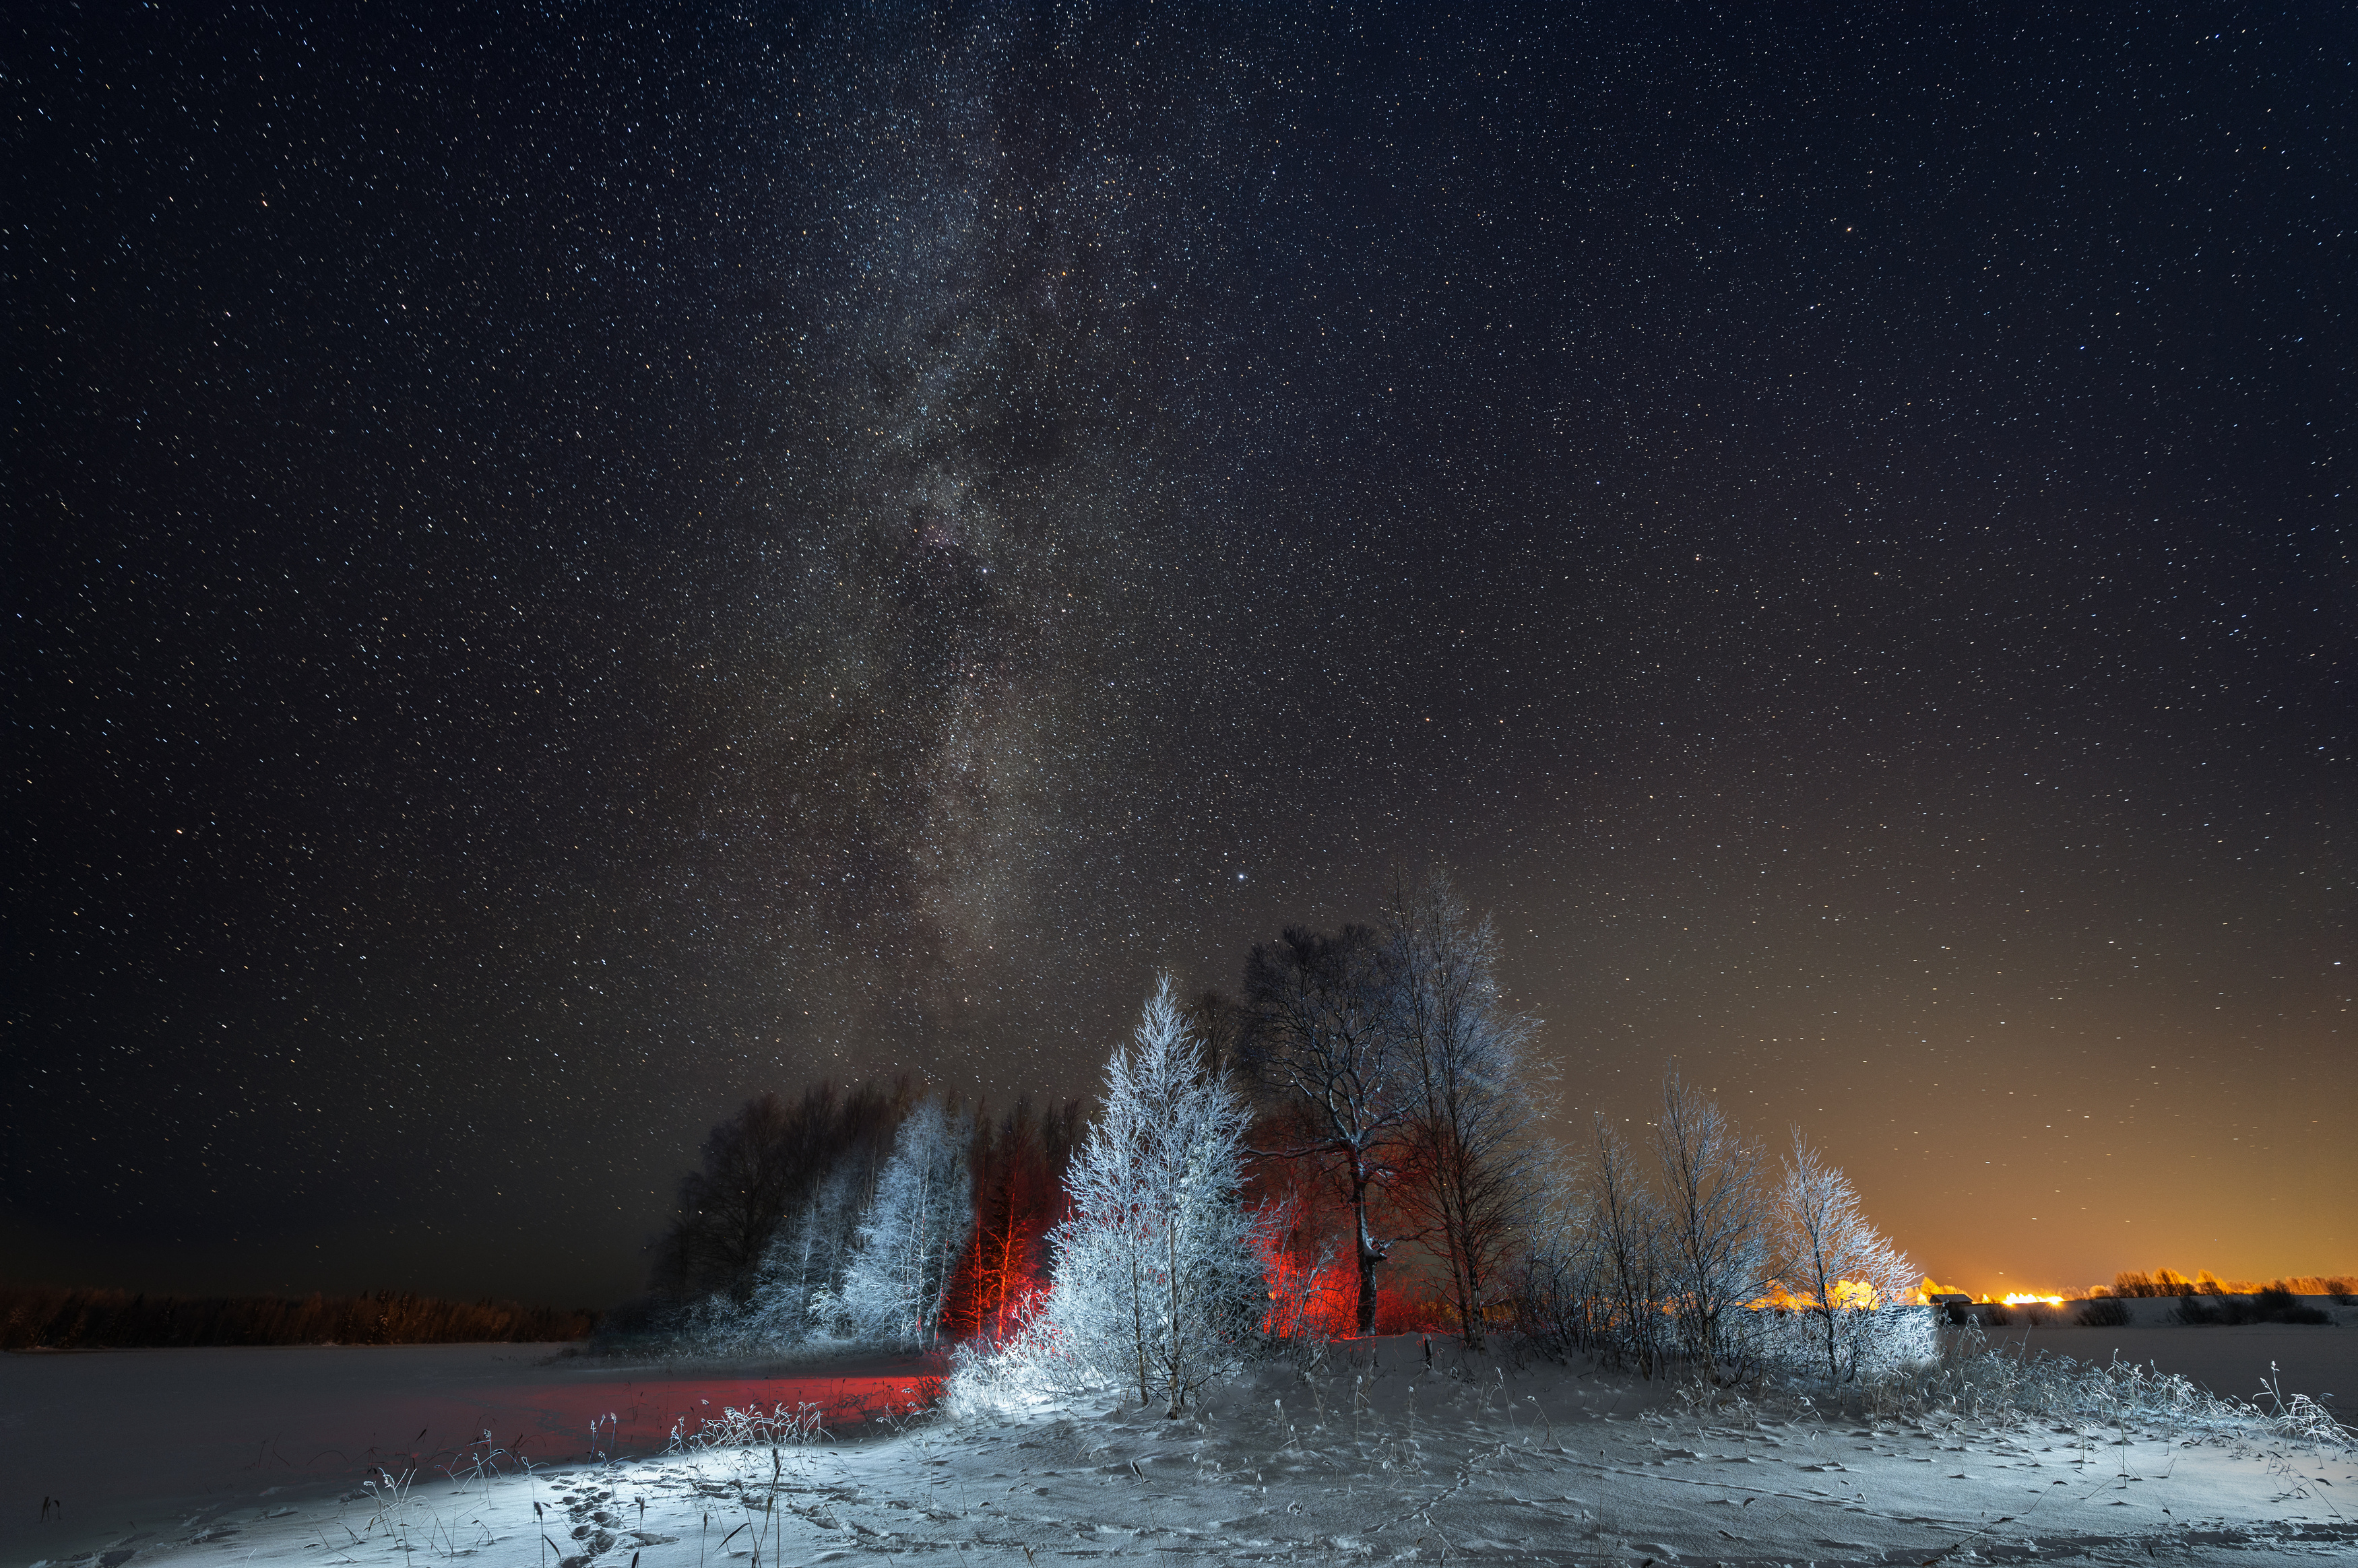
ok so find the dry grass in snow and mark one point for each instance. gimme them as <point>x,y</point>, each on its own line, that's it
<point>1373,1454</point>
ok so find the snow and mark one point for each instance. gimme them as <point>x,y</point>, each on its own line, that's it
<point>164,1458</point>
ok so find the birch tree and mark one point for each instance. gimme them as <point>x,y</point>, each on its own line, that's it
<point>1844,1278</point>
<point>1156,1281</point>
<point>914,1232</point>
<point>797,1290</point>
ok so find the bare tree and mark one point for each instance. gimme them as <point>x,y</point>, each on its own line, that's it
<point>1320,1041</point>
<point>1844,1278</point>
<point>1716,1245</point>
<point>1624,1227</point>
<point>1466,1083</point>
<point>754,1164</point>
<point>1560,1304</point>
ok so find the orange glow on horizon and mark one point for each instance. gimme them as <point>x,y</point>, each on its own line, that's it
<point>1847,1294</point>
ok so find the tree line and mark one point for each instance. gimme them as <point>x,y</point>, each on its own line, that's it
<point>2170,1283</point>
<point>1263,1162</point>
<point>875,1215</point>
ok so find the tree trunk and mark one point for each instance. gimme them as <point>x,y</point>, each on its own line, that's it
<point>1170,1247</point>
<point>1138,1322</point>
<point>1368,1257</point>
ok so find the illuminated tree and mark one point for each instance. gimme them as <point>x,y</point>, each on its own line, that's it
<point>796,1295</point>
<point>1844,1279</point>
<point>911,1236</point>
<point>1156,1280</point>
<point>1019,1197</point>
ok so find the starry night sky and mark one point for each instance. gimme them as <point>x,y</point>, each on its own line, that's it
<point>574,563</point>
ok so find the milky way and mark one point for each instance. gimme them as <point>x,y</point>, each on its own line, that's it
<point>964,543</point>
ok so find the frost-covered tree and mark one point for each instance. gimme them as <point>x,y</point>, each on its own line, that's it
<point>1321,1044</point>
<point>758,1170</point>
<point>1156,1278</point>
<point>1845,1281</point>
<point>1473,1177</point>
<point>795,1294</point>
<point>1716,1246</point>
<point>913,1233</point>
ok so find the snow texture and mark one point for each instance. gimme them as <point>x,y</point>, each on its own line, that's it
<point>1374,1454</point>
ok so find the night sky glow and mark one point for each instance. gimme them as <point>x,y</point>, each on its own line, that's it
<point>571,564</point>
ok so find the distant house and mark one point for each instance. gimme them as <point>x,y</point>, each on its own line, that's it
<point>1948,1298</point>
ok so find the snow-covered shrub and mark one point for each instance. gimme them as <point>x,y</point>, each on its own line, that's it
<point>1973,1383</point>
<point>898,1277</point>
<point>1869,1341</point>
<point>1030,1367</point>
<point>1156,1283</point>
<point>748,1428</point>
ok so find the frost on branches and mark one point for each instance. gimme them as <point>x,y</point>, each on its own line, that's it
<point>898,1279</point>
<point>1715,1251</point>
<point>1843,1280</point>
<point>1711,1266</point>
<point>1157,1282</point>
<point>1473,1168</point>
<point>794,1294</point>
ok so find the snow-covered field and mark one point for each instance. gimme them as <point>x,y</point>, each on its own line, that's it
<point>240,1457</point>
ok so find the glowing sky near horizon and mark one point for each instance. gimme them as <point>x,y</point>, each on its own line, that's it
<point>575,566</point>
